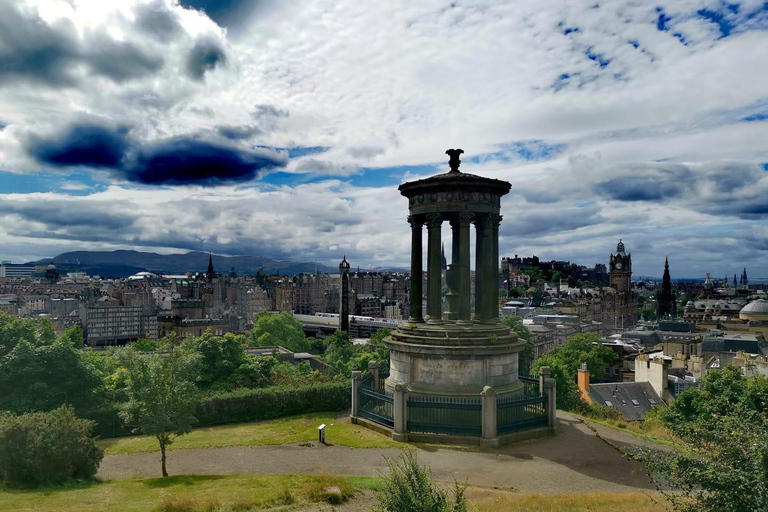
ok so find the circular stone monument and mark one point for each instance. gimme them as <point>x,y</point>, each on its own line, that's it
<point>455,351</point>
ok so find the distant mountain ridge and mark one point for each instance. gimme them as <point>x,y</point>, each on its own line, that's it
<point>124,263</point>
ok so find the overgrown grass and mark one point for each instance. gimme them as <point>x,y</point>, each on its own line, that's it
<point>186,494</point>
<point>485,500</point>
<point>650,429</point>
<point>291,430</point>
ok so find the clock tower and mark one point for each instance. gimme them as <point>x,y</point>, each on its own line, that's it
<point>621,269</point>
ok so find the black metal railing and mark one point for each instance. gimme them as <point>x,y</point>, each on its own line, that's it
<point>376,404</point>
<point>515,414</point>
<point>530,386</point>
<point>445,415</point>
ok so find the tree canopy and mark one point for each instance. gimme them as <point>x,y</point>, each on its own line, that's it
<point>722,461</point>
<point>39,372</point>
<point>564,363</point>
<point>278,329</point>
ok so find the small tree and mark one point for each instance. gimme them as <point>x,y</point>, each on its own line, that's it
<point>162,395</point>
<point>409,487</point>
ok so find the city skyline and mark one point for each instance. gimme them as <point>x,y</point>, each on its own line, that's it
<point>282,129</point>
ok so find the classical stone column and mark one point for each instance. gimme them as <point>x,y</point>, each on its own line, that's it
<point>485,271</point>
<point>493,268</point>
<point>462,262</point>
<point>479,268</point>
<point>434,305</point>
<point>452,276</point>
<point>417,272</point>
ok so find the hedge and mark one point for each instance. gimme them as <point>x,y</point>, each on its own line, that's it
<point>244,405</point>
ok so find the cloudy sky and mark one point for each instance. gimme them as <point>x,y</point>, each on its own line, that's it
<point>282,128</point>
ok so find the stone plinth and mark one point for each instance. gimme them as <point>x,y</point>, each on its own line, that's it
<point>454,359</point>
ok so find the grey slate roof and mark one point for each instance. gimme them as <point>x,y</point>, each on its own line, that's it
<point>632,399</point>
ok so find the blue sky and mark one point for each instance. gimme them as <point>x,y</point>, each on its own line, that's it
<point>283,128</point>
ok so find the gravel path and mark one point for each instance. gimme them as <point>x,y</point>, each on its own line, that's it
<point>576,460</point>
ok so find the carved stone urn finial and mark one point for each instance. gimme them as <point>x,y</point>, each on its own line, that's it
<point>454,160</point>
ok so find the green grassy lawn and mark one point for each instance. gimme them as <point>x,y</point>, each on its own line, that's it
<point>182,494</point>
<point>295,429</point>
<point>283,492</point>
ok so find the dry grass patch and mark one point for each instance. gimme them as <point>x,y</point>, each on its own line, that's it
<point>491,500</point>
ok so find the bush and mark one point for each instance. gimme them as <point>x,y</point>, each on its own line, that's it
<point>243,405</point>
<point>409,486</point>
<point>44,448</point>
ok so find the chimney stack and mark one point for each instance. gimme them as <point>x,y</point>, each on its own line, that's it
<point>583,380</point>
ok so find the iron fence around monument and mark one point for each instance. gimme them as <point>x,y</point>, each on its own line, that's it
<point>514,413</point>
<point>376,404</point>
<point>445,415</point>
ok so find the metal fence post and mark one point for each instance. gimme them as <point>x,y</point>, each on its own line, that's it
<point>550,386</point>
<point>543,375</point>
<point>489,421</point>
<point>400,413</point>
<point>356,378</point>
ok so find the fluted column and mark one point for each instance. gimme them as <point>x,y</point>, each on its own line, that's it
<point>416,314</point>
<point>452,276</point>
<point>493,278</point>
<point>462,261</point>
<point>481,250</point>
<point>434,306</point>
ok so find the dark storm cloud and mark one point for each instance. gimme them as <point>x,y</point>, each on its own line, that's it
<point>245,131</point>
<point>177,161</point>
<point>88,144</point>
<point>32,49</point>
<point>157,21</point>
<point>186,161</point>
<point>553,220</point>
<point>56,214</point>
<point>647,183</point>
<point>205,56</point>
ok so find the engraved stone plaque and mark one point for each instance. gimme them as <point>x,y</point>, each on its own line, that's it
<point>447,372</point>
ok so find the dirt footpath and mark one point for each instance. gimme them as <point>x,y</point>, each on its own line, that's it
<point>576,460</point>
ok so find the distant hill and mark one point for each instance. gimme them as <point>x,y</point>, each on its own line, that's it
<point>125,263</point>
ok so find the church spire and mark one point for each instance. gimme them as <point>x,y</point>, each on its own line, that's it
<point>210,274</point>
<point>666,299</point>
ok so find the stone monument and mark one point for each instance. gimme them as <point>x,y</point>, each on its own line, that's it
<point>457,350</point>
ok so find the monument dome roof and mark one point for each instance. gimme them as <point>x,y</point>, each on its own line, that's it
<point>758,307</point>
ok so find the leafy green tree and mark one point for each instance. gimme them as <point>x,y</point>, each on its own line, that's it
<point>721,463</point>
<point>339,354</point>
<point>564,363</point>
<point>525,357</point>
<point>278,329</point>
<point>44,448</point>
<point>410,487</point>
<point>220,359</point>
<point>74,336</point>
<point>517,292</point>
<point>162,395</point>
<point>39,372</point>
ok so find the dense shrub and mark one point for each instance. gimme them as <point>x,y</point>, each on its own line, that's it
<point>44,448</point>
<point>244,405</point>
<point>267,403</point>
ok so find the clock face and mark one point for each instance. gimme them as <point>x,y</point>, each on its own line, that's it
<point>617,266</point>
